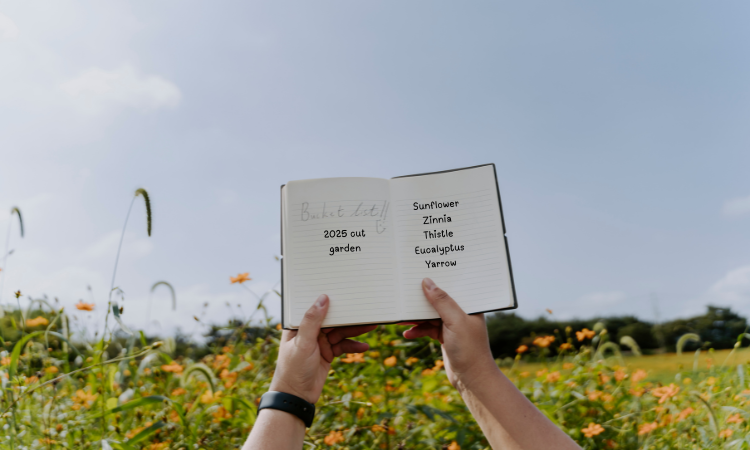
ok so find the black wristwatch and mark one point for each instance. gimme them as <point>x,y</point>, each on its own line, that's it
<point>288,403</point>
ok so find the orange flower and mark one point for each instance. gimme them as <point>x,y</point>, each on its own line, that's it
<point>354,358</point>
<point>647,428</point>
<point>684,413</point>
<point>594,429</point>
<point>240,278</point>
<point>334,437</point>
<point>568,366</point>
<point>594,395</point>
<point>360,413</point>
<point>411,360</point>
<point>735,418</point>
<point>438,364</point>
<point>172,367</point>
<point>566,346</point>
<point>522,349</point>
<point>603,378</point>
<point>221,414</point>
<point>83,398</point>
<point>552,377</point>
<point>639,375</point>
<point>454,446</point>
<point>5,361</point>
<point>374,354</point>
<point>544,341</point>
<point>585,334</point>
<point>36,322</point>
<point>726,433</point>
<point>209,397</point>
<point>428,372</point>
<point>81,306</point>
<point>229,378</point>
<point>665,392</point>
<point>51,369</point>
<point>549,311</point>
<point>637,392</point>
<point>524,374</point>
<point>179,391</point>
<point>390,361</point>
<point>278,326</point>
<point>377,428</point>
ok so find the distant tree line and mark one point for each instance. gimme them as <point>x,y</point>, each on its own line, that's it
<point>718,328</point>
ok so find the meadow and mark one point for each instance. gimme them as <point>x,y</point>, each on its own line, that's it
<point>125,391</point>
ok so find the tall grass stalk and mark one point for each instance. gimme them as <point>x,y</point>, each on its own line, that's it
<point>17,212</point>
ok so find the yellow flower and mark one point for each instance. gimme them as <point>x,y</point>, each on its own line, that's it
<point>710,381</point>
<point>83,398</point>
<point>594,429</point>
<point>390,361</point>
<point>81,306</point>
<point>334,437</point>
<point>172,367</point>
<point>51,369</point>
<point>278,326</point>
<point>665,392</point>
<point>687,381</point>
<point>524,374</point>
<point>240,278</point>
<point>522,349</point>
<point>36,322</point>
<point>354,358</point>
<point>568,366</point>
<point>647,428</point>
<point>585,334</point>
<point>726,433</point>
<point>374,355</point>
<point>454,446</point>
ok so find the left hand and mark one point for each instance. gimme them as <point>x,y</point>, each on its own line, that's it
<point>305,355</point>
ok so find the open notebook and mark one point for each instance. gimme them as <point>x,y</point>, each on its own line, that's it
<point>369,242</point>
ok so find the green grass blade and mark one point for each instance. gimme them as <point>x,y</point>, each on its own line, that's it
<point>134,404</point>
<point>146,433</point>
<point>171,290</point>
<point>684,339</point>
<point>17,352</point>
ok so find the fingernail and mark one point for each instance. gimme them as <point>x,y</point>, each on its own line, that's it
<point>321,301</point>
<point>429,284</point>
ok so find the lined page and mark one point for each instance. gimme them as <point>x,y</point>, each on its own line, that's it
<point>449,229</point>
<point>339,241</point>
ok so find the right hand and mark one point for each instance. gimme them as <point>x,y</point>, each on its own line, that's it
<point>466,347</point>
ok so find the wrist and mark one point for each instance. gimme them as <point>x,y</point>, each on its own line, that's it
<point>478,375</point>
<point>280,386</point>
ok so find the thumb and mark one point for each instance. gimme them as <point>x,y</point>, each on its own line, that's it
<point>446,307</point>
<point>309,328</point>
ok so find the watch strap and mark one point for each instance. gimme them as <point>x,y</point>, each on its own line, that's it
<point>288,403</point>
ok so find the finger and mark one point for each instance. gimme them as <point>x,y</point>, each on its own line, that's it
<point>339,334</point>
<point>442,302</point>
<point>422,331</point>
<point>288,335</point>
<point>417,322</point>
<point>326,352</point>
<point>349,346</point>
<point>327,330</point>
<point>309,328</point>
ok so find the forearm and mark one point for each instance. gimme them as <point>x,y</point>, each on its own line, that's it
<point>507,418</point>
<point>277,430</point>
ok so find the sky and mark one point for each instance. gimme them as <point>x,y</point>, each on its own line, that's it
<point>619,130</point>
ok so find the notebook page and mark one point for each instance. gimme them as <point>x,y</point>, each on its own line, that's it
<point>339,241</point>
<point>462,245</point>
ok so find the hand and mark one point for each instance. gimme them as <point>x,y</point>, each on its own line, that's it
<point>466,348</point>
<point>305,355</point>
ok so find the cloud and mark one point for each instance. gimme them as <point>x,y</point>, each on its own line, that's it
<point>736,206</point>
<point>95,89</point>
<point>8,29</point>
<point>733,289</point>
